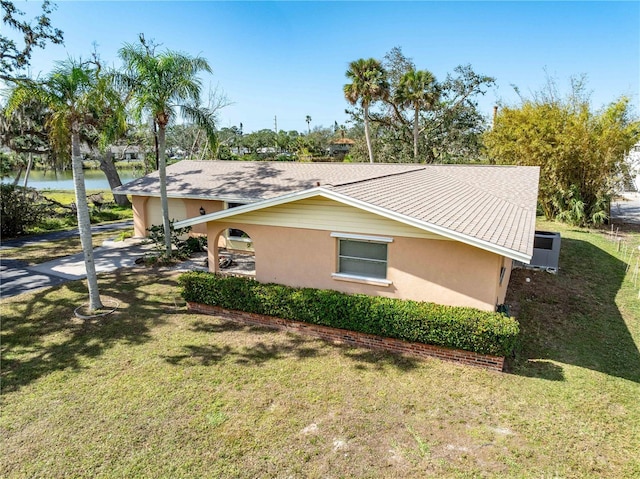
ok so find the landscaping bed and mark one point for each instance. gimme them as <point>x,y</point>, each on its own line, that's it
<point>468,329</point>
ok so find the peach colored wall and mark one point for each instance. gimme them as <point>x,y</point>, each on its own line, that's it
<point>139,216</point>
<point>445,272</point>
<point>192,207</point>
<point>502,289</point>
<point>193,210</point>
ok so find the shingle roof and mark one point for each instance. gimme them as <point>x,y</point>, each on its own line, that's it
<point>493,207</point>
<point>250,181</point>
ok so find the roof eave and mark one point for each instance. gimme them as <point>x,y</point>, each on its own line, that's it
<point>345,199</point>
<point>154,194</point>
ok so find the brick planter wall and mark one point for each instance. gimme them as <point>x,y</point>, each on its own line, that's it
<point>354,338</point>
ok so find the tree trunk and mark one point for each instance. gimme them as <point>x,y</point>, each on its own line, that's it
<point>109,169</point>
<point>17,178</point>
<point>195,142</point>
<point>415,134</point>
<point>164,202</point>
<point>366,131</point>
<point>84,220</point>
<point>29,165</point>
<point>155,138</point>
<point>204,150</point>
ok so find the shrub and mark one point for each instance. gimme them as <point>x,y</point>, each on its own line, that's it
<point>156,236</point>
<point>195,244</point>
<point>469,329</point>
<point>20,208</point>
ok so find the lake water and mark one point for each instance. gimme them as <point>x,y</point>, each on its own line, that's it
<point>63,180</point>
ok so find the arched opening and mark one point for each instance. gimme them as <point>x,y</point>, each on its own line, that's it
<point>234,253</point>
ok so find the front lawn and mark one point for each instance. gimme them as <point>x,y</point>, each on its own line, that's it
<point>153,391</point>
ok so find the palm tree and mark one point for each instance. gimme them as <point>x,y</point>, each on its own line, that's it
<point>308,120</point>
<point>78,97</point>
<point>162,85</point>
<point>417,89</point>
<point>368,84</point>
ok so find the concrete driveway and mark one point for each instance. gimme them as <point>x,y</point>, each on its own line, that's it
<point>17,278</point>
<point>626,209</point>
<point>58,235</point>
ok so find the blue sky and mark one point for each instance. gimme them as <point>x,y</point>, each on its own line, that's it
<point>288,59</point>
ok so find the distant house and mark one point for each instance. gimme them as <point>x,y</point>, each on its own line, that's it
<point>340,147</point>
<point>633,160</point>
<point>126,152</point>
<point>441,233</point>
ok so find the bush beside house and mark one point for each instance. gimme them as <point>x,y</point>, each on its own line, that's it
<point>468,329</point>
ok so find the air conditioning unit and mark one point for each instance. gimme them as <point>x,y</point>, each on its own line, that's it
<point>546,252</point>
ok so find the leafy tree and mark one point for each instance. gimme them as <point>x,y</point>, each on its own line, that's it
<point>449,124</point>
<point>14,56</point>
<point>230,142</point>
<point>579,150</point>
<point>77,97</point>
<point>258,141</point>
<point>283,141</point>
<point>164,85</point>
<point>318,140</point>
<point>456,131</point>
<point>368,84</point>
<point>23,130</point>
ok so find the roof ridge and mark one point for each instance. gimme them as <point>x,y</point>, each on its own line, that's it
<point>386,175</point>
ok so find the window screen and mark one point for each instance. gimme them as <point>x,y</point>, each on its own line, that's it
<point>234,233</point>
<point>362,258</point>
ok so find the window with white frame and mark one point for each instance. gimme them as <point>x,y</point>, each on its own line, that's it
<point>362,256</point>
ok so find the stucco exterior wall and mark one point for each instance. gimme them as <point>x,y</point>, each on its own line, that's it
<point>193,209</point>
<point>444,272</point>
<point>146,212</point>
<point>138,204</point>
<point>502,287</point>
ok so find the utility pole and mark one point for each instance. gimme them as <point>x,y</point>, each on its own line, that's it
<point>275,122</point>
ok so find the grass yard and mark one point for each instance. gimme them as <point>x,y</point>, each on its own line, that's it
<point>153,391</point>
<point>64,218</point>
<point>68,196</point>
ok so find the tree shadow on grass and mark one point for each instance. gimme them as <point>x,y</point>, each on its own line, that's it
<point>40,333</point>
<point>572,317</point>
<point>272,345</point>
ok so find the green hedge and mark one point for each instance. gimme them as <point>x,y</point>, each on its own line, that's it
<point>453,327</point>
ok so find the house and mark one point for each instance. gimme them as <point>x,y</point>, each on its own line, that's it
<point>127,152</point>
<point>341,146</point>
<point>441,233</point>
<point>632,159</point>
